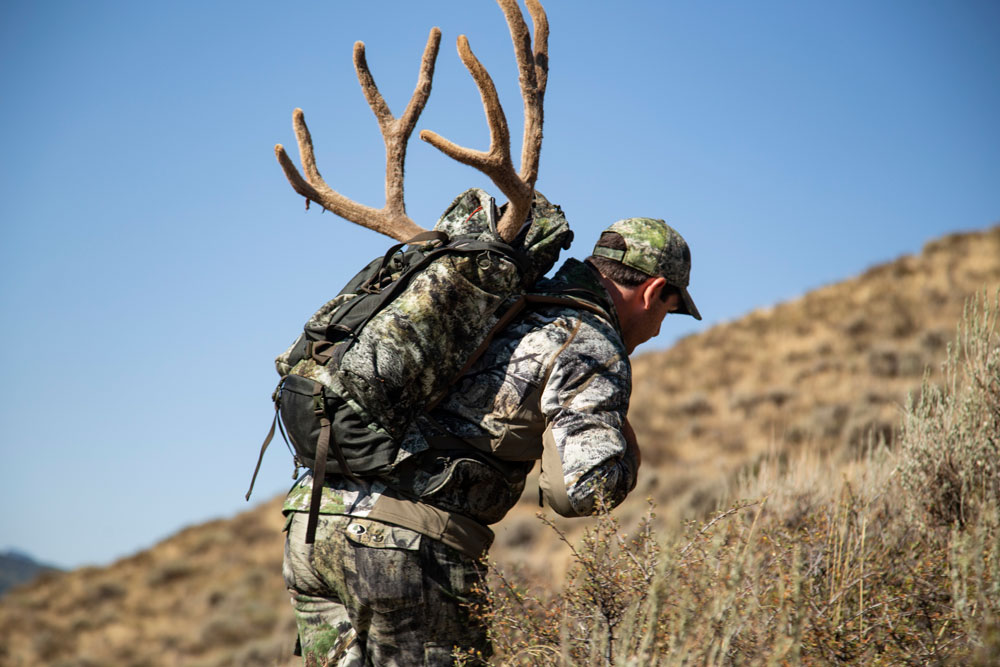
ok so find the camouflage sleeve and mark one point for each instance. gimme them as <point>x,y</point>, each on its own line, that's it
<point>585,401</point>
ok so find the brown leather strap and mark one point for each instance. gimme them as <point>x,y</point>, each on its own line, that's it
<point>319,464</point>
<point>319,476</point>
<point>567,302</point>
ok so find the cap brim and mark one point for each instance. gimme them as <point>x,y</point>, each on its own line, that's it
<point>689,307</point>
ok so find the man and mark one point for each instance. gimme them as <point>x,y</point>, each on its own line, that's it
<point>396,558</point>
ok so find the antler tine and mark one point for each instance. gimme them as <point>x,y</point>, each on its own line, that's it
<point>314,188</point>
<point>396,132</point>
<point>531,91</point>
<point>531,149</point>
<point>541,23</point>
<point>496,163</point>
<point>390,220</point>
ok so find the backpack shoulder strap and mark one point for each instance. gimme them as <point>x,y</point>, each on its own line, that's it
<point>566,300</point>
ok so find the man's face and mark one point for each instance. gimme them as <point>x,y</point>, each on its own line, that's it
<point>646,324</point>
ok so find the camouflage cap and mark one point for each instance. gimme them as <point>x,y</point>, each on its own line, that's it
<point>656,249</point>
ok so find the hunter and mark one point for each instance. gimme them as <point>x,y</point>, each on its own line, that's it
<point>381,567</point>
<point>388,579</point>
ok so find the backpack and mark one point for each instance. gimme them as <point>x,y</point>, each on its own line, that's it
<point>400,333</point>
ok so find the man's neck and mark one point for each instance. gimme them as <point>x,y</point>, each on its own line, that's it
<point>622,298</point>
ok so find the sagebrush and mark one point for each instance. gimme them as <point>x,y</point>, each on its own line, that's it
<point>892,557</point>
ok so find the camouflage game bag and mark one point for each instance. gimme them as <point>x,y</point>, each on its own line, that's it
<point>400,333</point>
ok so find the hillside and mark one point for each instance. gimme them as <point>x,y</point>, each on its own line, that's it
<point>209,595</point>
<point>823,372</point>
<point>17,568</point>
<point>826,371</point>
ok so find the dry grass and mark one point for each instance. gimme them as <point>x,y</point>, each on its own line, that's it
<point>889,558</point>
<point>821,374</point>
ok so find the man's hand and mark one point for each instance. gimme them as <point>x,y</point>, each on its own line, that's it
<point>631,443</point>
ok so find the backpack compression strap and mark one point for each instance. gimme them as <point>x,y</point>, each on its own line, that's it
<point>319,464</point>
<point>422,237</point>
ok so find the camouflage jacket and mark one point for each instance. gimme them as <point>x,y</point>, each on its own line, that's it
<point>553,386</point>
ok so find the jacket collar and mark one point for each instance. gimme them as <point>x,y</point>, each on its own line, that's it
<point>580,280</point>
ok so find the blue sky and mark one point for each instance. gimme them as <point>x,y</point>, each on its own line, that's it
<point>154,260</point>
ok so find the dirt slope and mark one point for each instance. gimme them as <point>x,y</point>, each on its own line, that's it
<point>824,371</point>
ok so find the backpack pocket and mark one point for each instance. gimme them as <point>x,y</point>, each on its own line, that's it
<point>364,450</point>
<point>474,488</point>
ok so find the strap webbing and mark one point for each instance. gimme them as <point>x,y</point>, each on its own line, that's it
<point>422,237</point>
<point>505,319</point>
<point>319,476</point>
<point>501,324</point>
<point>460,247</point>
<point>610,253</point>
<point>319,464</point>
<point>567,301</point>
<point>263,448</point>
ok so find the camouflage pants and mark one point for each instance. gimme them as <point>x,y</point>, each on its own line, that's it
<point>368,593</point>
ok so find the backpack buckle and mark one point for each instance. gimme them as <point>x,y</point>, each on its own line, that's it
<point>484,261</point>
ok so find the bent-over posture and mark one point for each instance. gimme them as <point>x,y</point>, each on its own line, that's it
<point>395,559</point>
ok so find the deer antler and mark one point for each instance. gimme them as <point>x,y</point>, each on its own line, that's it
<point>533,76</point>
<point>390,220</point>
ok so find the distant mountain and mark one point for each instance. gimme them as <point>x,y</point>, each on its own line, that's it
<point>823,373</point>
<point>18,568</point>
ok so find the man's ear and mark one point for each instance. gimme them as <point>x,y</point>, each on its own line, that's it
<point>651,291</point>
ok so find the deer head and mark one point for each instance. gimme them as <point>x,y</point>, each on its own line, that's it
<point>495,163</point>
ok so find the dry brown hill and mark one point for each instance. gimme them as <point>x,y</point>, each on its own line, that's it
<point>828,371</point>
<point>209,595</point>
<point>825,372</point>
